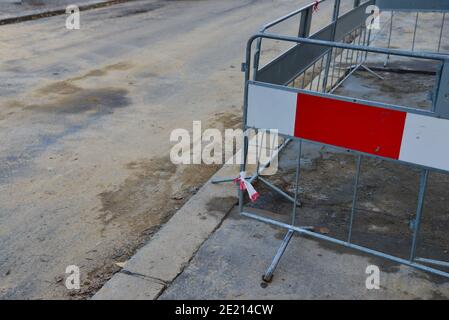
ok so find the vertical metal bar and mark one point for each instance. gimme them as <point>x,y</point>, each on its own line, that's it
<point>247,68</point>
<point>298,172</point>
<point>358,43</point>
<point>347,50</point>
<point>352,51</point>
<point>321,72</point>
<point>389,38</point>
<point>422,193</point>
<point>354,196</point>
<point>313,76</point>
<point>334,28</point>
<point>257,58</point>
<point>370,27</point>
<point>326,70</point>
<point>414,32</point>
<point>368,43</point>
<point>258,154</point>
<point>304,79</point>
<point>362,55</point>
<point>441,31</point>
<point>305,23</point>
<point>333,67</point>
<point>341,63</point>
<point>243,167</point>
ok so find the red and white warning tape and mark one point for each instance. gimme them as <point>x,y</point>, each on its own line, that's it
<point>245,185</point>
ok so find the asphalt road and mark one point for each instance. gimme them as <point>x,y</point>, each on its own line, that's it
<point>85,120</point>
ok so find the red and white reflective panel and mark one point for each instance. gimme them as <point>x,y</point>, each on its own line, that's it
<point>394,134</point>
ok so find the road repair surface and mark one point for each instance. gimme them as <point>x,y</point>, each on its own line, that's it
<point>85,120</point>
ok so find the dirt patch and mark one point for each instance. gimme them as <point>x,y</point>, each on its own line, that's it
<point>79,100</point>
<point>189,173</point>
<point>60,87</point>
<point>227,120</point>
<point>67,87</point>
<point>149,179</point>
<point>120,66</point>
<point>98,101</point>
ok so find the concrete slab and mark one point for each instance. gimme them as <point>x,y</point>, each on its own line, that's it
<point>129,287</point>
<point>230,265</point>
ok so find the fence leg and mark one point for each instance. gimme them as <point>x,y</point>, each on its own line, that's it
<point>268,276</point>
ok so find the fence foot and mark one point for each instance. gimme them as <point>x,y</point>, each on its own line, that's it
<point>268,276</point>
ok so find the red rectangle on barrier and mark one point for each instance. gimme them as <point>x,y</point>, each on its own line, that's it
<point>349,125</point>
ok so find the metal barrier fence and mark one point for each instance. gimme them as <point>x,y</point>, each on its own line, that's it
<point>297,88</point>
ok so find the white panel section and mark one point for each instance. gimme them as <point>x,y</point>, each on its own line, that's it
<point>270,108</point>
<point>426,141</point>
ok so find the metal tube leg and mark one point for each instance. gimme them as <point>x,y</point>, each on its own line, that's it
<point>417,224</point>
<point>268,276</point>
